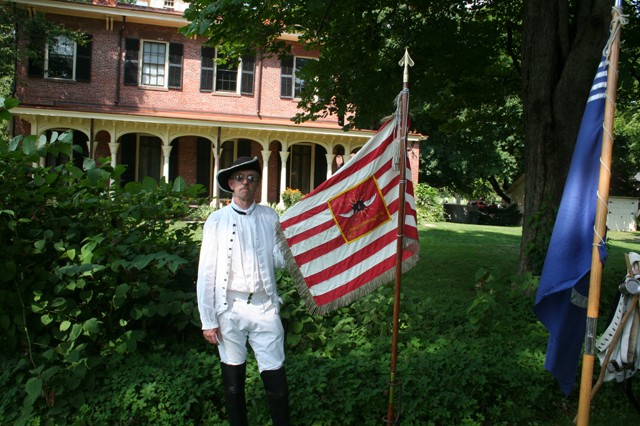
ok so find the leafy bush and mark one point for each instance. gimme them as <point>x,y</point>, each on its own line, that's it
<point>88,269</point>
<point>201,212</point>
<point>428,205</point>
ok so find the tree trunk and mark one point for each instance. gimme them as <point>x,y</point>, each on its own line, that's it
<point>562,46</point>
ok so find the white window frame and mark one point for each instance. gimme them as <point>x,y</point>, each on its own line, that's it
<point>141,63</point>
<point>73,65</point>
<point>239,73</point>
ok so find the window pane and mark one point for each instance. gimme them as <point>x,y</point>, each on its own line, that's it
<point>226,75</point>
<point>153,64</point>
<point>60,60</point>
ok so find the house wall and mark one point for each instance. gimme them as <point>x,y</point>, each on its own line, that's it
<point>102,90</point>
<point>622,214</point>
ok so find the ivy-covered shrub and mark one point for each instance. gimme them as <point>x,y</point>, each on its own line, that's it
<point>201,212</point>
<point>88,269</point>
<point>428,205</point>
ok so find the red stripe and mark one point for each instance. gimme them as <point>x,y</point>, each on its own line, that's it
<point>350,261</point>
<point>318,251</point>
<point>360,280</point>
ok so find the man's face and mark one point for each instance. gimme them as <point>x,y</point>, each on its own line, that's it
<point>244,184</point>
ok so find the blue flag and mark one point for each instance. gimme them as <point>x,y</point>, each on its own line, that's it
<point>562,297</point>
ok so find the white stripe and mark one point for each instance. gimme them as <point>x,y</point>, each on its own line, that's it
<point>597,96</point>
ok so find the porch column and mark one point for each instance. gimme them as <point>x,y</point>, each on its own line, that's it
<point>264,199</point>
<point>216,167</point>
<point>113,150</point>
<point>92,146</point>
<point>284,155</point>
<point>166,150</point>
<point>330,158</point>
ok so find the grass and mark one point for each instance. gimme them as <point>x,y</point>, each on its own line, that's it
<point>454,258</point>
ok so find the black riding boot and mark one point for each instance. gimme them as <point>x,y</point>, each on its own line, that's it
<point>275,385</point>
<point>233,379</point>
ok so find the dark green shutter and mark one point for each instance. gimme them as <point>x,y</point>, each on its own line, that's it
<point>83,59</point>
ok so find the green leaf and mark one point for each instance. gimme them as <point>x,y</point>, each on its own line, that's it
<point>33,388</point>
<point>91,326</point>
<point>10,103</point>
<point>5,115</point>
<point>39,245</point>
<point>293,339</point>
<point>76,330</point>
<point>64,325</point>
<point>179,184</point>
<point>58,301</point>
<point>50,372</point>
<point>141,261</point>
<point>42,142</point>
<point>71,254</point>
<point>46,319</point>
<point>121,290</point>
<point>149,184</point>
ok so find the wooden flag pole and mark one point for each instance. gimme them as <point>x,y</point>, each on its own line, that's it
<point>595,279</point>
<point>407,62</point>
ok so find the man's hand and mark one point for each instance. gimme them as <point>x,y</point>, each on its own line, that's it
<point>212,336</point>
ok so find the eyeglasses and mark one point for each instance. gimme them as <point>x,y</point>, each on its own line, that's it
<point>241,178</point>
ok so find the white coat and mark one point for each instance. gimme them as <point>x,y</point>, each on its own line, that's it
<point>216,253</point>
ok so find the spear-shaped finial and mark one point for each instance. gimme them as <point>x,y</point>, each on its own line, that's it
<point>407,62</point>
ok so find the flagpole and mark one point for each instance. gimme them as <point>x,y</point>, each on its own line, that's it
<point>406,62</point>
<point>600,226</point>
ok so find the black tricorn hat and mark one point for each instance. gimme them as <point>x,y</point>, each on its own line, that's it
<point>241,163</point>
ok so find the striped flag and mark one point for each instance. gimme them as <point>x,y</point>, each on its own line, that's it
<point>340,240</point>
<point>562,296</point>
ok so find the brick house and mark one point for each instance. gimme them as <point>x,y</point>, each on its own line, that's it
<point>143,95</point>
